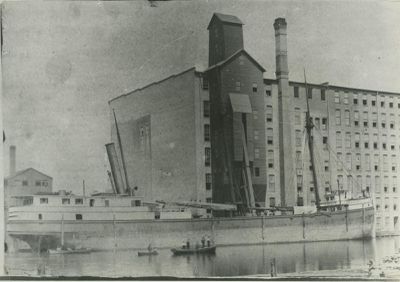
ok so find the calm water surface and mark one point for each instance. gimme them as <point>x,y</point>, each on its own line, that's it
<point>228,260</point>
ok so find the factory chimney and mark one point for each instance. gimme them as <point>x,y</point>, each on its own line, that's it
<point>286,160</point>
<point>13,164</point>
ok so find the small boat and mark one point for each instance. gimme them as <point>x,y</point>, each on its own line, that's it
<point>153,252</point>
<point>199,250</point>
<point>70,251</point>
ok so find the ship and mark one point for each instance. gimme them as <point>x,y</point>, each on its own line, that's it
<point>123,220</point>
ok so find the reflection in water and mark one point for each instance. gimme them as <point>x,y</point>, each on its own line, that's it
<point>228,261</point>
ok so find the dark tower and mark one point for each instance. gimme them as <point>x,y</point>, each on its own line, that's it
<point>225,37</point>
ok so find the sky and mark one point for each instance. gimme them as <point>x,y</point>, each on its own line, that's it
<point>63,61</point>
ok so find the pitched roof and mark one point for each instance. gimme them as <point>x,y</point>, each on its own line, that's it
<point>225,19</point>
<point>233,56</point>
<point>26,170</point>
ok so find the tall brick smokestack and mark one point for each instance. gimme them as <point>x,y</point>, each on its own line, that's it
<point>286,161</point>
<point>13,162</point>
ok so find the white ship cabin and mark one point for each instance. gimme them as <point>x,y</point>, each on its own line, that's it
<point>99,206</point>
<point>345,199</point>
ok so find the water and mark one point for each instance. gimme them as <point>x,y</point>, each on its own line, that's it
<point>228,260</point>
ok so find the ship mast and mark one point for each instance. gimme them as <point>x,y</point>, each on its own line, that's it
<point>309,126</point>
<point>122,152</point>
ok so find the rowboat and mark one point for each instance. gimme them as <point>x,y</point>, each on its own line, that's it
<point>70,251</point>
<point>186,251</point>
<point>148,253</point>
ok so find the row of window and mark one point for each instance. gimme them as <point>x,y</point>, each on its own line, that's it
<point>366,162</point>
<point>345,100</point>
<point>38,183</point>
<point>357,141</point>
<point>374,117</point>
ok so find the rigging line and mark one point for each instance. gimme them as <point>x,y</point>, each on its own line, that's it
<point>342,163</point>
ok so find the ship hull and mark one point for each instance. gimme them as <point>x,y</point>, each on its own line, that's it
<point>125,234</point>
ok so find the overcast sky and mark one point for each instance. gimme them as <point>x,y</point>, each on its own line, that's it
<point>63,61</point>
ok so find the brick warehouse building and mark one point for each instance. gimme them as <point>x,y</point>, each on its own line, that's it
<point>183,137</point>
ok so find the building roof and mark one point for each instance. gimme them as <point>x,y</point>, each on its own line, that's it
<point>153,83</point>
<point>26,170</point>
<point>334,87</point>
<point>234,56</point>
<point>230,19</point>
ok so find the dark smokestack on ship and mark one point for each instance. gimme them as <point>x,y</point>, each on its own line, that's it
<point>286,163</point>
<point>13,159</point>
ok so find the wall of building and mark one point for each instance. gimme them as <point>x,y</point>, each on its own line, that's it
<point>159,126</point>
<point>338,157</point>
<point>27,183</point>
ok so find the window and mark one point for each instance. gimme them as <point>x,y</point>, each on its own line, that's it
<point>207,160</point>
<point>365,117</point>
<point>208,181</point>
<point>271,183</point>
<point>299,183</point>
<point>257,171</point>
<point>44,200</point>
<point>393,163</point>
<point>366,140</point>
<point>347,117</point>
<point>79,201</point>
<point>206,109</point>
<point>255,114</point>
<point>38,183</point>
<point>373,103</point>
<point>348,161</point>
<point>206,132</point>
<point>271,159</point>
<point>339,161</point>
<point>356,118</point>
<point>299,161</point>
<point>205,83</point>
<point>254,87</point>
<point>268,93</point>
<point>324,122</point>
<point>237,86</point>
<point>355,98</point>
<point>78,216</point>
<point>338,139</point>
<point>365,101</point>
<point>316,123</point>
<point>297,116</point>
<point>358,161</point>
<point>25,183</point>
<point>270,136</point>
<point>107,203</point>
<point>256,135</point>
<point>382,104</point>
<point>256,153</point>
<point>368,183</point>
<point>376,162</point>
<point>391,125</point>
<point>269,113</point>
<point>391,105</point>
<point>385,162</point>
<point>357,140</point>
<point>209,200</point>
<point>65,201</point>
<point>337,98</point>
<point>377,185</point>
<point>272,202</point>
<point>309,93</point>
<point>338,117</point>
<point>348,140</point>
<point>40,217</point>
<point>298,138</point>
<point>346,98</point>
<point>296,91</point>
<point>324,140</point>
<point>367,162</point>
<point>323,95</point>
